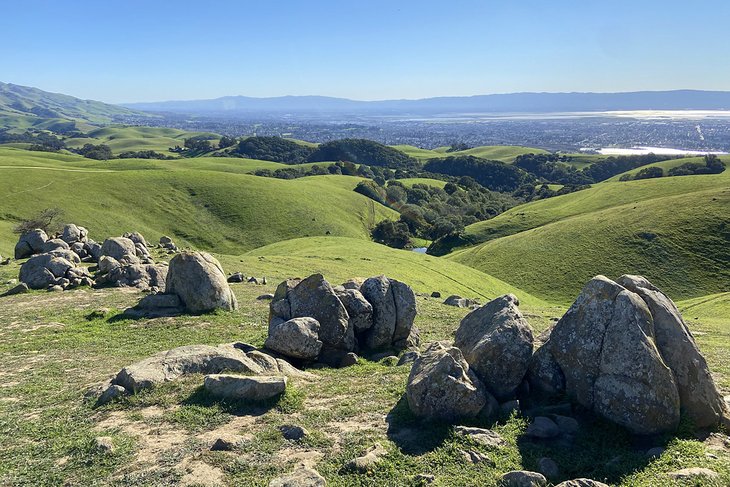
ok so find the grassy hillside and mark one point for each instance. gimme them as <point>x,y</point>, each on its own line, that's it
<point>504,153</point>
<point>123,139</point>
<point>342,258</point>
<point>667,165</point>
<point>199,204</point>
<point>24,101</point>
<point>409,182</point>
<point>676,231</point>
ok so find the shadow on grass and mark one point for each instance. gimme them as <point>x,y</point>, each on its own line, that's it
<point>288,402</point>
<point>413,435</point>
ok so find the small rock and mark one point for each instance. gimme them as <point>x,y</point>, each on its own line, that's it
<point>223,444</point>
<point>472,456</point>
<point>112,392</point>
<point>368,461</point>
<point>265,297</point>
<point>21,288</point>
<point>293,432</point>
<point>566,424</point>
<point>482,436</point>
<point>523,478</point>
<point>349,359</point>
<point>237,277</point>
<point>655,452</point>
<point>253,280</point>
<point>55,289</point>
<point>694,473</point>
<point>542,427</point>
<point>241,387</point>
<point>435,294</point>
<point>548,467</point>
<point>104,444</point>
<point>302,477</point>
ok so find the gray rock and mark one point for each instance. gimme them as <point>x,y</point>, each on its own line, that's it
<point>523,478</point>
<point>72,234</point>
<point>358,309</point>
<point>566,424</point>
<point>279,306</point>
<point>199,281</point>
<point>475,457</point>
<point>54,244</point>
<point>353,284</point>
<point>441,386</point>
<point>296,338</point>
<point>55,289</point>
<point>137,238</point>
<point>293,432</point>
<point>104,444</point>
<point>348,360</point>
<point>192,359</point>
<point>236,278</point>
<point>698,395</point>
<point>94,250</point>
<point>456,300</point>
<point>497,343</point>
<point>548,467</point>
<point>405,310</point>
<point>30,243</point>
<point>142,276</point>
<point>544,374</point>
<point>581,483</point>
<point>605,348</point>
<point>302,477</point>
<point>655,452</point>
<point>119,248</point>
<point>435,294</point>
<point>543,428</point>
<point>44,270</point>
<point>484,437</point>
<point>224,444</point>
<point>379,293</point>
<point>239,387</point>
<point>368,461</point>
<point>155,306</point>
<point>314,297</point>
<point>111,393</point>
<point>21,288</point>
<point>265,297</point>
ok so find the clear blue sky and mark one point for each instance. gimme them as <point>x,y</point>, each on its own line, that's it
<point>133,50</point>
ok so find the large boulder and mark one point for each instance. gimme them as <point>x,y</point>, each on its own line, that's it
<point>296,338</point>
<point>607,352</point>
<point>44,270</point>
<point>54,244</point>
<point>193,359</point>
<point>119,248</point>
<point>378,291</point>
<point>698,396</point>
<point>405,313</point>
<point>30,243</point>
<point>441,386</point>
<point>497,343</point>
<point>314,297</point>
<point>199,281</point>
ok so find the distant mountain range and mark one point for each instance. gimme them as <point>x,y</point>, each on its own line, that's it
<point>24,106</point>
<point>503,103</point>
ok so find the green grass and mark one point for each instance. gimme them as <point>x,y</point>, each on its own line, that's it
<point>675,231</point>
<point>343,258</point>
<point>197,202</point>
<point>409,182</point>
<point>504,153</point>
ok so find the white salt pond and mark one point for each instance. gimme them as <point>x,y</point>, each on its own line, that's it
<point>660,151</point>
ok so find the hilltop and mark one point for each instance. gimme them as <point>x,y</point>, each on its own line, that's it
<point>25,107</point>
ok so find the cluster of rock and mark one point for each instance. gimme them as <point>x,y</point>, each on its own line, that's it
<point>126,262</point>
<point>238,277</point>
<point>232,371</point>
<point>622,351</point>
<point>459,302</point>
<point>73,238</point>
<point>311,320</point>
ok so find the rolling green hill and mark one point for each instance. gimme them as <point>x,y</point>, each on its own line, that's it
<point>25,105</point>
<point>342,258</point>
<point>676,231</point>
<point>207,204</point>
<point>504,153</point>
<point>409,182</point>
<point>667,165</point>
<point>123,139</point>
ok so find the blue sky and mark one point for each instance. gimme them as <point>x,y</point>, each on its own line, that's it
<point>132,50</point>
